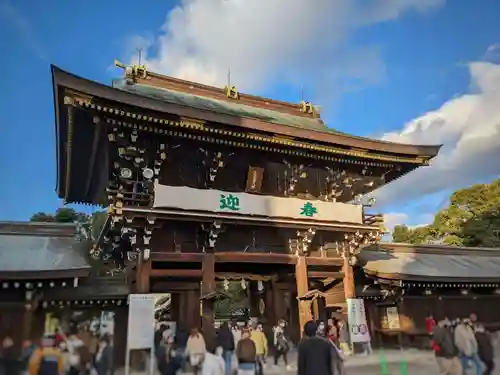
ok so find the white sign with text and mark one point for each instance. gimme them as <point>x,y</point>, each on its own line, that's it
<point>141,321</point>
<point>356,315</point>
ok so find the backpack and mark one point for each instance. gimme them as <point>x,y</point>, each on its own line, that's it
<point>282,343</point>
<point>246,351</point>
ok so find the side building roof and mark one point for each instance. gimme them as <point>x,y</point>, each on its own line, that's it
<point>41,251</point>
<point>427,263</point>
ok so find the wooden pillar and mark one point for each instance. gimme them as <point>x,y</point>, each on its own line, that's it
<point>253,299</point>
<point>143,270</point>
<point>189,308</point>
<point>208,286</point>
<point>269,299</point>
<point>349,286</point>
<point>315,308</point>
<point>32,299</point>
<point>175,306</point>
<point>302,288</point>
<point>120,336</point>
<point>294,324</point>
<point>27,321</point>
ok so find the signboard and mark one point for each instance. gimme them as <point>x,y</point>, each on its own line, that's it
<point>393,317</point>
<point>356,315</point>
<point>208,200</point>
<point>141,321</point>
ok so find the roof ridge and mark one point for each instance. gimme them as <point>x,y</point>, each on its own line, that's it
<point>28,228</point>
<point>182,85</point>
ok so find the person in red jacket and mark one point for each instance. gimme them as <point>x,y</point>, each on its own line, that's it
<point>430,324</point>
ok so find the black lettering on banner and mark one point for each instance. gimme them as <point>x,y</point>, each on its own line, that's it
<point>359,329</point>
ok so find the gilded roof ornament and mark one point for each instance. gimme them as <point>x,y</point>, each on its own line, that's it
<point>133,71</point>
<point>232,92</point>
<point>309,108</point>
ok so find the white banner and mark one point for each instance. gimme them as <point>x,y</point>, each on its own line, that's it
<point>356,315</point>
<point>141,321</point>
<point>190,199</point>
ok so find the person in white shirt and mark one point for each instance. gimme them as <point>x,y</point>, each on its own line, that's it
<point>213,364</point>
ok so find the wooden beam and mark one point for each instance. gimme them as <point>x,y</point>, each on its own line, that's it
<point>175,273</point>
<point>268,258</point>
<point>320,261</point>
<point>177,257</point>
<point>174,286</point>
<point>325,274</point>
<point>240,257</point>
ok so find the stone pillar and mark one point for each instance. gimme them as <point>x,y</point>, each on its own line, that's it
<point>302,288</point>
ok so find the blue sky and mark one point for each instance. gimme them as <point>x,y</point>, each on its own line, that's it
<point>384,70</point>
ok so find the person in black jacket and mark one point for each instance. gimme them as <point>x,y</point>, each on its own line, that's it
<point>485,349</point>
<point>225,340</point>
<point>445,350</point>
<point>315,354</point>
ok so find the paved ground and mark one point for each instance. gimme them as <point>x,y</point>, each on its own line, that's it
<point>417,363</point>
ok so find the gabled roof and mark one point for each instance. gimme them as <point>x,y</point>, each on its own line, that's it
<point>431,263</point>
<point>238,115</point>
<point>41,250</point>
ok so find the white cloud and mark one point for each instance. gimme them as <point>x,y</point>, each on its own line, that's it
<point>262,41</point>
<point>469,128</point>
<point>14,16</point>
<point>493,53</point>
<point>391,219</point>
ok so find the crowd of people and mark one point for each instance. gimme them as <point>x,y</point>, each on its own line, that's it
<point>245,348</point>
<point>461,345</point>
<point>241,346</point>
<point>58,354</point>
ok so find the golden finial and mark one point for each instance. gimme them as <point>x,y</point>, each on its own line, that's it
<point>231,91</point>
<point>133,71</point>
<point>307,107</point>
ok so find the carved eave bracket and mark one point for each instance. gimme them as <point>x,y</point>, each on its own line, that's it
<point>135,168</point>
<point>353,243</point>
<point>333,183</point>
<point>299,245</point>
<point>210,235</point>
<point>293,173</point>
<point>213,163</point>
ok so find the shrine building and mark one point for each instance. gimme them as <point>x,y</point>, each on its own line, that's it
<point>207,184</point>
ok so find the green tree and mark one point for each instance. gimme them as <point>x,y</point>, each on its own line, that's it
<point>69,215</point>
<point>471,219</point>
<point>237,299</point>
<point>42,217</point>
<point>418,235</point>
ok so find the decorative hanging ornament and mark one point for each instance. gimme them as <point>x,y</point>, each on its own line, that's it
<point>260,286</point>
<point>243,284</point>
<point>226,285</point>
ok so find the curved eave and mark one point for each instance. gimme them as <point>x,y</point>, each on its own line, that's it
<point>88,87</point>
<point>438,279</point>
<point>59,154</point>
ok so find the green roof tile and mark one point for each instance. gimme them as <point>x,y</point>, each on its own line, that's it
<point>223,106</point>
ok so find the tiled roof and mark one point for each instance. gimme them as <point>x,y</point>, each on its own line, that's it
<point>25,247</point>
<point>432,262</point>
<point>223,106</point>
